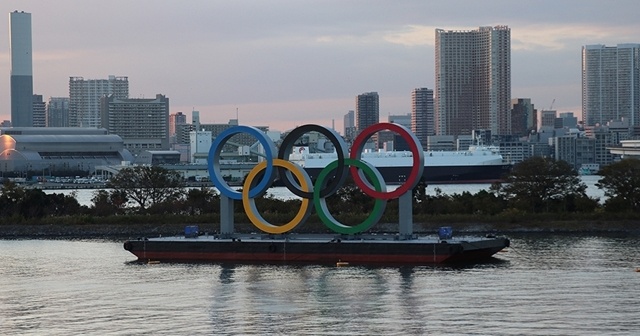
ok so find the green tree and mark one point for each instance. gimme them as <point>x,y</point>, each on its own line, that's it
<point>621,183</point>
<point>10,196</point>
<point>201,201</point>
<point>542,184</point>
<point>148,185</point>
<point>107,203</point>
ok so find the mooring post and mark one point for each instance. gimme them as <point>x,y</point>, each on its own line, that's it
<point>226,215</point>
<point>405,215</point>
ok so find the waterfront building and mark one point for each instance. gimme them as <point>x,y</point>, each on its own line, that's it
<point>59,151</point>
<point>515,151</point>
<point>473,80</point>
<point>39,109</point>
<point>574,149</point>
<point>422,114</point>
<point>85,94</point>
<point>143,123</point>
<point>610,84</point>
<point>200,143</point>
<point>523,117</point>
<point>158,158</point>
<point>607,136</point>
<point>627,149</point>
<point>58,112</point>
<point>21,70</point>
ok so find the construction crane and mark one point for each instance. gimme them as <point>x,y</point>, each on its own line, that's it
<point>551,107</point>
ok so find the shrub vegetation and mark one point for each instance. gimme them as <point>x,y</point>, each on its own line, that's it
<point>537,192</point>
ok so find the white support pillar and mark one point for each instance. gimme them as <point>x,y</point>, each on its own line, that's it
<point>226,215</point>
<point>405,214</point>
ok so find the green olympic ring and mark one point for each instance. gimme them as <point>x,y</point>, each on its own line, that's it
<point>321,205</point>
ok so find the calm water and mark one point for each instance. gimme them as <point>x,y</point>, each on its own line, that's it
<point>544,285</point>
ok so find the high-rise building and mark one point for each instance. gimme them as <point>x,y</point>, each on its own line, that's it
<point>21,70</point>
<point>350,125</point>
<point>85,94</point>
<point>473,80</point>
<point>143,124</point>
<point>524,117</point>
<point>422,114</point>
<point>610,84</point>
<point>39,111</point>
<point>175,119</point>
<point>58,112</point>
<point>367,110</point>
<point>195,119</point>
<point>368,113</point>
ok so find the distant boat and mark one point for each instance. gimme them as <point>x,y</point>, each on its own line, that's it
<point>479,164</point>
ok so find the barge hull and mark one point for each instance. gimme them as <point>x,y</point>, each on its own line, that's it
<point>356,252</point>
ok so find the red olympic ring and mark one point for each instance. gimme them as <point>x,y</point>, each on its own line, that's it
<point>416,170</point>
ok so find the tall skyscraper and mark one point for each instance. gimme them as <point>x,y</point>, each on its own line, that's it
<point>368,113</point>
<point>21,70</point>
<point>473,80</point>
<point>367,110</point>
<point>422,114</point>
<point>611,84</point>
<point>85,94</point>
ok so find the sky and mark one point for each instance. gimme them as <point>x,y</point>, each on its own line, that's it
<point>292,62</point>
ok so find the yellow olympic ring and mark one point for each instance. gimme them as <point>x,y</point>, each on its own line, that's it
<point>250,205</point>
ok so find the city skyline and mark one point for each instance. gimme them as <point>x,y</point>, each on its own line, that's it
<point>287,63</point>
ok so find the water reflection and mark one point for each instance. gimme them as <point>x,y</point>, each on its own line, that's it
<point>544,284</point>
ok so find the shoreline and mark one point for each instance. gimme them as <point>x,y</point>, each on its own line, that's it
<point>129,231</point>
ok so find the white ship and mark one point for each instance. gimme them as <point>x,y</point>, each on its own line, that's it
<point>479,164</point>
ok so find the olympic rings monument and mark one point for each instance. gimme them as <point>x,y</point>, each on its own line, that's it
<point>348,243</point>
<point>330,179</point>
